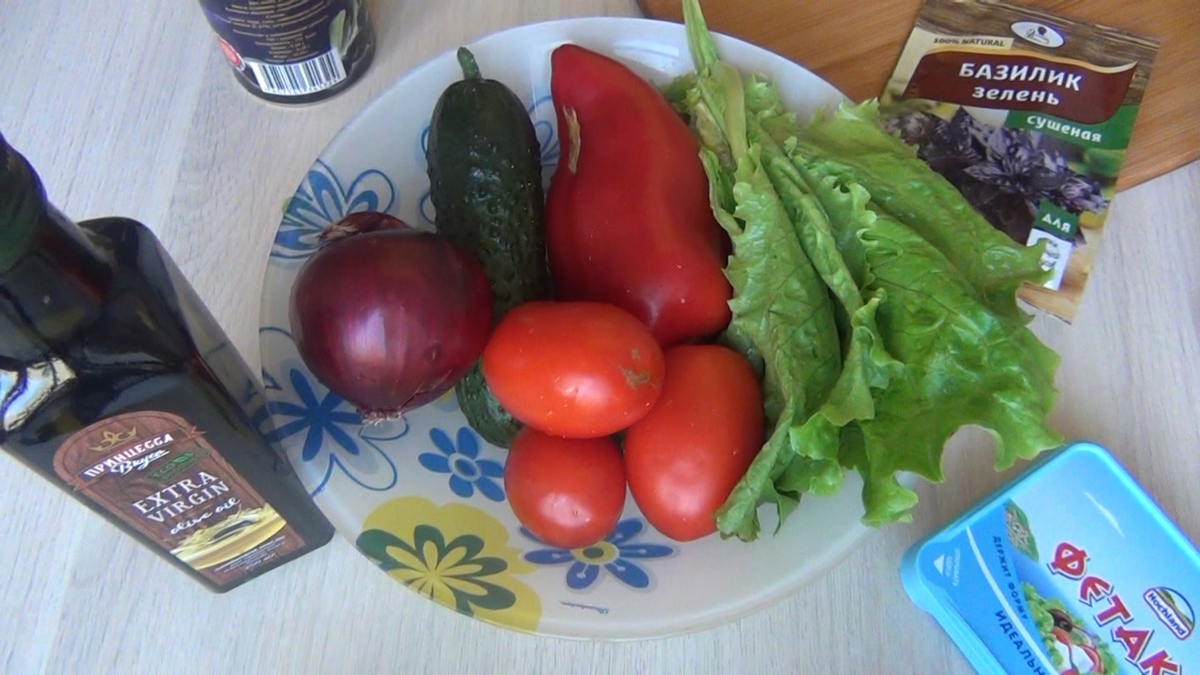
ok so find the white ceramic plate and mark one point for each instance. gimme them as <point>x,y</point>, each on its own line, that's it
<point>424,498</point>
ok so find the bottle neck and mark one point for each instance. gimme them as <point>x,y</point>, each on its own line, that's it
<point>53,277</point>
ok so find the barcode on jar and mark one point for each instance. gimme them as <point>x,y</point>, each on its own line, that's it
<point>297,79</point>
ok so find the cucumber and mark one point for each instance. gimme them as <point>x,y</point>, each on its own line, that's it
<point>485,178</point>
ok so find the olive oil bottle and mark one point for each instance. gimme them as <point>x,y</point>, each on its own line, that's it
<point>117,385</point>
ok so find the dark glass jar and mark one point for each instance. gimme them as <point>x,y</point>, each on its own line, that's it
<point>294,51</point>
<point>117,385</point>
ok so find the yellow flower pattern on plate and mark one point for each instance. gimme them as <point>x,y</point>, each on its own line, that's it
<point>457,555</point>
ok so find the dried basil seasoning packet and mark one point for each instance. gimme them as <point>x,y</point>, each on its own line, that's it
<point>1028,114</point>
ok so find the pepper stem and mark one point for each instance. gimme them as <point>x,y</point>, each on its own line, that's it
<point>466,60</point>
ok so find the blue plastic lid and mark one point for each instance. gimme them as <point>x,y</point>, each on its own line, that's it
<point>1069,568</point>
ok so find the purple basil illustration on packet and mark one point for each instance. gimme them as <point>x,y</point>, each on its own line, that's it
<point>1005,173</point>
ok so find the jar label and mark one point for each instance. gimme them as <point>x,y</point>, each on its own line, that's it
<point>293,47</point>
<point>157,473</point>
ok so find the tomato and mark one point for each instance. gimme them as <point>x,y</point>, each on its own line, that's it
<point>628,215</point>
<point>573,369</point>
<point>685,457</point>
<point>568,492</point>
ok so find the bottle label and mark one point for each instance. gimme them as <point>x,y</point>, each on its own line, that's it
<point>291,48</point>
<point>158,474</point>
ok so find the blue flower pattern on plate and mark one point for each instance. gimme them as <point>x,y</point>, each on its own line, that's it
<point>467,469</point>
<point>616,554</point>
<point>334,437</point>
<point>547,139</point>
<point>546,132</point>
<point>321,200</point>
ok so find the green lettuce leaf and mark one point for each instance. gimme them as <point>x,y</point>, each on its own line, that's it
<point>851,142</point>
<point>809,219</point>
<point>678,92</point>
<point>877,305</point>
<point>867,367</point>
<point>783,315</point>
<point>846,202</point>
<point>765,105</point>
<point>770,126</point>
<point>962,364</point>
<point>785,263</point>
<point>701,45</point>
<point>781,308</point>
<point>827,218</point>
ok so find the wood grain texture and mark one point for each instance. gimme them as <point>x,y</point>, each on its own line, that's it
<point>178,144</point>
<point>854,45</point>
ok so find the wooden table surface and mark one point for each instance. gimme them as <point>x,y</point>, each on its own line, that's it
<point>854,46</point>
<point>127,108</point>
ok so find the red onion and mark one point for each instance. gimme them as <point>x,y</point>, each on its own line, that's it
<point>387,317</point>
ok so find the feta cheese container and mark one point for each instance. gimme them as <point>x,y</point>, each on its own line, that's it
<point>1069,568</point>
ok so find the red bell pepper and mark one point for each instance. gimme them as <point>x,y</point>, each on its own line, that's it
<point>628,219</point>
